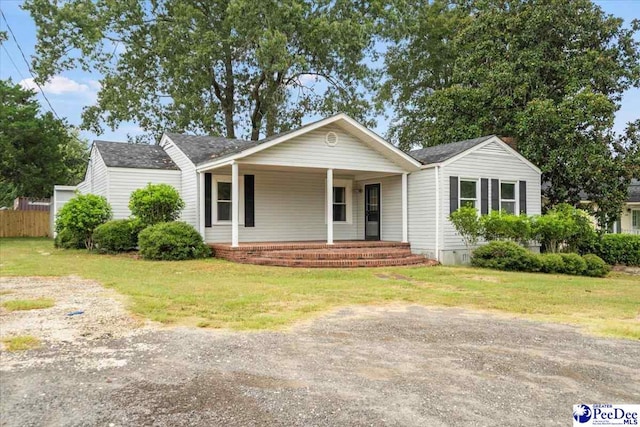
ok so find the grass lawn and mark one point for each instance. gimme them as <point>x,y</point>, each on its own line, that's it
<point>220,294</point>
<point>28,304</point>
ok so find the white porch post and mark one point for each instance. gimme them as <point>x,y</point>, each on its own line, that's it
<point>235,204</point>
<point>202,200</point>
<point>330,206</point>
<point>405,209</point>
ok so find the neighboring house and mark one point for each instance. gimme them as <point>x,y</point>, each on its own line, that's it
<point>629,221</point>
<point>330,180</point>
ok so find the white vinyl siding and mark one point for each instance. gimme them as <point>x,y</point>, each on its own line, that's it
<point>422,211</point>
<point>123,181</point>
<point>188,186</point>
<point>311,150</point>
<point>492,162</point>
<point>95,179</point>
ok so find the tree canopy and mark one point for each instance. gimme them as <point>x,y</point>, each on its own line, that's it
<point>549,73</point>
<point>221,67</point>
<point>38,150</point>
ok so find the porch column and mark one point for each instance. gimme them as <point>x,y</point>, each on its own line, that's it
<point>405,209</point>
<point>330,206</point>
<point>202,200</point>
<point>235,204</point>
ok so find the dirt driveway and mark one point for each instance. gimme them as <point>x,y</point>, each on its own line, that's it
<point>392,365</point>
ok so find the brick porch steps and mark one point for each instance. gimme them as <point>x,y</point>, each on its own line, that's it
<point>341,263</point>
<point>318,254</point>
<point>342,253</point>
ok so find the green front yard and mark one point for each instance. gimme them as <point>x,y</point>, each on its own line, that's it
<point>219,294</point>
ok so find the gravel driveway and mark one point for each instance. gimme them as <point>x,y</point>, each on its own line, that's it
<point>390,365</point>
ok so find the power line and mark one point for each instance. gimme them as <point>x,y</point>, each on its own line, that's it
<point>24,57</point>
<point>14,64</point>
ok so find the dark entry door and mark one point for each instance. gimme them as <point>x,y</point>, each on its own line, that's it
<point>372,212</point>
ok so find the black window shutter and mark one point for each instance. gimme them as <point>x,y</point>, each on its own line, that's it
<point>208,203</point>
<point>453,194</point>
<point>495,195</point>
<point>249,201</point>
<point>523,197</point>
<point>484,196</point>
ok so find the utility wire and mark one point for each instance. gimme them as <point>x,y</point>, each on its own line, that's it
<point>14,64</point>
<point>24,57</point>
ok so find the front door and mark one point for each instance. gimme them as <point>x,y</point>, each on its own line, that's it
<point>372,212</point>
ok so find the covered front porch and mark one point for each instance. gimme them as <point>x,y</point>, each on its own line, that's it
<point>241,202</point>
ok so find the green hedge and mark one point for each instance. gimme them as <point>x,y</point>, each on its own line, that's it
<point>172,241</point>
<point>504,255</point>
<point>616,248</point>
<point>65,239</point>
<point>596,267</point>
<point>119,235</point>
<point>510,256</point>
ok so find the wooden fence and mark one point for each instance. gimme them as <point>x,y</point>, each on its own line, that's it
<point>24,224</point>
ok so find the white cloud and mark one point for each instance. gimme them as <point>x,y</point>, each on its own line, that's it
<point>57,85</point>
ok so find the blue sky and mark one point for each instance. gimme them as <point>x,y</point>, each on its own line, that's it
<point>73,90</point>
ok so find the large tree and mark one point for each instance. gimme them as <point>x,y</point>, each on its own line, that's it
<point>550,73</point>
<point>219,67</point>
<point>38,150</point>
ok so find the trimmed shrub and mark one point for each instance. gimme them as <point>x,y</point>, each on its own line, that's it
<point>504,226</point>
<point>465,221</point>
<point>596,267</point>
<point>156,203</point>
<point>81,215</point>
<point>552,263</point>
<point>618,249</point>
<point>505,256</point>
<point>563,228</point>
<point>171,241</point>
<point>119,235</point>
<point>573,264</point>
<point>65,239</point>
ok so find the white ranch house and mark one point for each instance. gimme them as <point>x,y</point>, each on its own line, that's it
<point>327,182</point>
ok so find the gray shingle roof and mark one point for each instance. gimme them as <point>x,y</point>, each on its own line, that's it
<point>634,191</point>
<point>440,153</point>
<point>138,156</point>
<point>200,148</point>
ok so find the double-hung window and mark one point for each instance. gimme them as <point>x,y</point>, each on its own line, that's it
<point>468,193</point>
<point>508,197</point>
<point>223,201</point>
<point>635,219</point>
<point>339,204</point>
<point>342,204</point>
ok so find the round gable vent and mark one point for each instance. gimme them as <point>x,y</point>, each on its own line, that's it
<point>331,139</point>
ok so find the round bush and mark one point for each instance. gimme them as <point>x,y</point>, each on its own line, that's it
<point>171,241</point>
<point>596,267</point>
<point>573,264</point>
<point>81,215</point>
<point>552,263</point>
<point>505,256</point>
<point>120,235</point>
<point>156,203</point>
<point>65,239</point>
